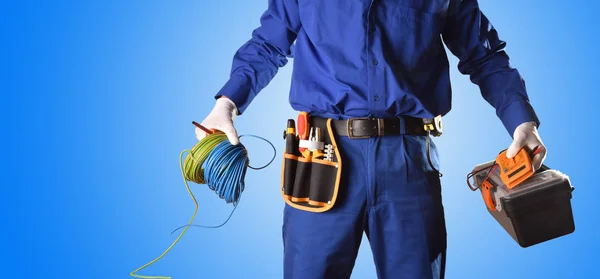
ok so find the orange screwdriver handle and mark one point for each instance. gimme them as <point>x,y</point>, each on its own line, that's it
<point>303,127</point>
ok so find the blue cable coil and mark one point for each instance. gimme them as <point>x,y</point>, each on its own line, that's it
<point>224,173</point>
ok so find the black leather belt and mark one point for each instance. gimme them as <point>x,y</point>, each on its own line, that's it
<point>371,127</point>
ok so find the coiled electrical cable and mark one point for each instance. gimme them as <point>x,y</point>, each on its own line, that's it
<point>213,161</point>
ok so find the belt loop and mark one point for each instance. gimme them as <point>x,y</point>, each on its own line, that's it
<point>380,127</point>
<point>402,125</point>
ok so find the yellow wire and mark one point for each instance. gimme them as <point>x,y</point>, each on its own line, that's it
<point>133,273</point>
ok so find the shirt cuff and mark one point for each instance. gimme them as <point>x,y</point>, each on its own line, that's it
<point>516,114</point>
<point>239,90</point>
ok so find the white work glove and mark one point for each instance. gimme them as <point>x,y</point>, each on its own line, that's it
<point>221,118</point>
<point>526,135</point>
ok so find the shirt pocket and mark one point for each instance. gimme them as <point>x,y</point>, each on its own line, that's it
<point>414,35</point>
<point>333,21</point>
<point>429,6</point>
<point>416,18</point>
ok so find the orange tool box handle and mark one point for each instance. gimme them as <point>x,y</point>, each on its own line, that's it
<point>486,193</point>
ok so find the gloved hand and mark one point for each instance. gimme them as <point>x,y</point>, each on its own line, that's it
<point>221,118</point>
<point>526,135</point>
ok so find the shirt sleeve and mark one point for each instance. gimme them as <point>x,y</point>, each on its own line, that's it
<point>257,62</point>
<point>470,36</point>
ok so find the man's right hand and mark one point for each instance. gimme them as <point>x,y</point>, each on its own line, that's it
<point>221,119</point>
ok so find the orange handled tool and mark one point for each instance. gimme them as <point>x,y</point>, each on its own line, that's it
<point>303,127</point>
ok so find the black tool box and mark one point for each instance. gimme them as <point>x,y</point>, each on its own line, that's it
<point>537,210</point>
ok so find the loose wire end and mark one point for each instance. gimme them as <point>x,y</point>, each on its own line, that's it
<point>220,165</point>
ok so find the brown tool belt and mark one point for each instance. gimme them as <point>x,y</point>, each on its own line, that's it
<point>372,127</point>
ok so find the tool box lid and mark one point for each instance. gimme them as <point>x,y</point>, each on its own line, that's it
<point>541,180</point>
<point>545,183</point>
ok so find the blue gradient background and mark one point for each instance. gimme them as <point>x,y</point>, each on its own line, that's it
<point>97,99</point>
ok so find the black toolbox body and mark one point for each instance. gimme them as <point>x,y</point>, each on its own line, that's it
<point>535,211</point>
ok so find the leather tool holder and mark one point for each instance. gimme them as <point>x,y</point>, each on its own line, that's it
<point>311,183</point>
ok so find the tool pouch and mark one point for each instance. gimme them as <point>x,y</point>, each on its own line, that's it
<point>312,183</point>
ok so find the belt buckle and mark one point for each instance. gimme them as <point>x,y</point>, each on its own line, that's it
<point>350,129</point>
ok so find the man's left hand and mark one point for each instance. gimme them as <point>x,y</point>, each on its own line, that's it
<point>526,135</point>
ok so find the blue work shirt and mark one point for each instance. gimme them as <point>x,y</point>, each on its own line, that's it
<point>381,58</point>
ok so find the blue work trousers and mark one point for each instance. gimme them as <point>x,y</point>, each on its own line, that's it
<point>389,191</point>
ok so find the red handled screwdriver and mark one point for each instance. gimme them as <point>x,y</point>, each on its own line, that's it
<point>202,127</point>
<point>535,151</point>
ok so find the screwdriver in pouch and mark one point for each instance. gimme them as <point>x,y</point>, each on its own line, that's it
<point>303,128</point>
<point>290,137</point>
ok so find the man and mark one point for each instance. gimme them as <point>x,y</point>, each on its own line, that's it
<point>381,59</point>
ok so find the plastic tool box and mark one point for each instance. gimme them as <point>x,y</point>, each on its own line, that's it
<point>537,210</point>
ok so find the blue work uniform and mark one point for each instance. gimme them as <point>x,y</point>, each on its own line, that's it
<point>378,58</point>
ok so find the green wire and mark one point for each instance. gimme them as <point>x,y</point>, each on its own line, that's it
<point>192,170</point>
<point>197,156</point>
